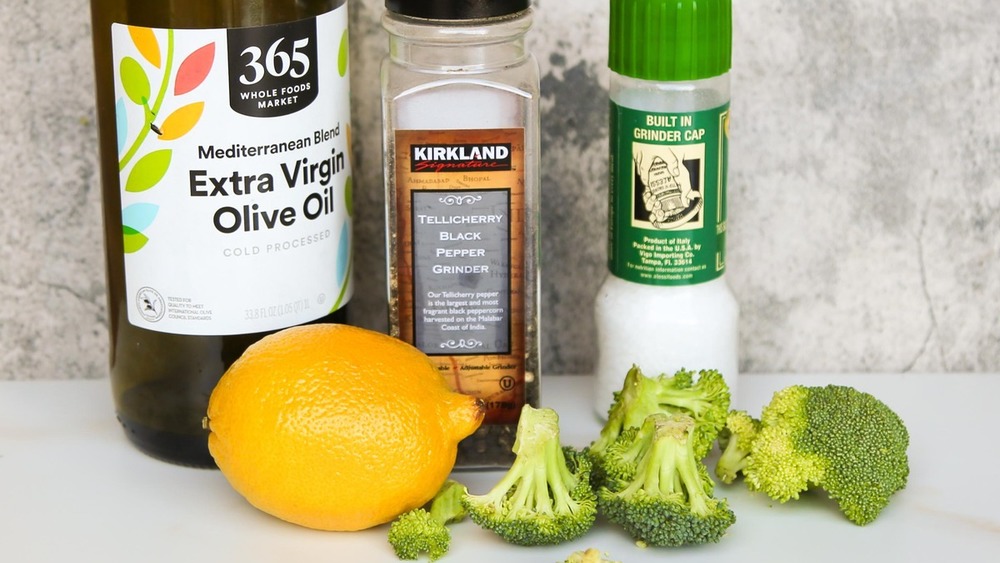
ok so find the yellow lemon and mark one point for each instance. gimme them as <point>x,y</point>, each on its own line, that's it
<point>336,427</point>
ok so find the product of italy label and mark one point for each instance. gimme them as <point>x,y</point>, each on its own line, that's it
<point>460,229</point>
<point>667,213</point>
<point>235,174</point>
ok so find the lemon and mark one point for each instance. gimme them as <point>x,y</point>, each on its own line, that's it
<point>336,427</point>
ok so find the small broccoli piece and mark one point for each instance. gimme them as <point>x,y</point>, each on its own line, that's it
<point>735,441</point>
<point>423,530</point>
<point>416,532</point>
<point>590,555</point>
<point>836,438</point>
<point>669,501</point>
<point>545,497</point>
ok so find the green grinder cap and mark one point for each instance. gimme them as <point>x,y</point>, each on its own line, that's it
<point>671,40</point>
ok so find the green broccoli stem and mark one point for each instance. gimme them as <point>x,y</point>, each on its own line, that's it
<point>538,488</point>
<point>512,478</point>
<point>559,479</point>
<point>670,468</point>
<point>732,461</point>
<point>692,401</point>
<point>636,401</point>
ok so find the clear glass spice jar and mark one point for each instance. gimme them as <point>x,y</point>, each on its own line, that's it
<point>460,123</point>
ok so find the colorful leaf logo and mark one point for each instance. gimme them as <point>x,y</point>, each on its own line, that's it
<point>133,240</point>
<point>139,216</point>
<point>344,263</point>
<point>182,120</point>
<point>135,219</point>
<point>194,69</point>
<point>343,54</point>
<point>135,81</point>
<point>343,252</point>
<point>147,44</point>
<point>148,171</point>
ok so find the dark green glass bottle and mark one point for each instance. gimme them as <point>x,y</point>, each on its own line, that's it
<point>226,180</point>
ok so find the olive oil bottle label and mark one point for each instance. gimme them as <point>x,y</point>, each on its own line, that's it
<point>668,195</point>
<point>460,213</point>
<point>235,172</point>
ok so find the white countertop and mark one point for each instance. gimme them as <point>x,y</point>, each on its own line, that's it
<point>73,489</point>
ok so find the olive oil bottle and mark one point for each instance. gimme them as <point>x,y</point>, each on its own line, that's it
<point>226,178</point>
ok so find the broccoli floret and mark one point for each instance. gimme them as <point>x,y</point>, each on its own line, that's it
<point>707,401</point>
<point>735,441</point>
<point>590,555</point>
<point>545,497</point>
<point>836,438</point>
<point>423,530</point>
<point>669,501</point>
<point>415,532</point>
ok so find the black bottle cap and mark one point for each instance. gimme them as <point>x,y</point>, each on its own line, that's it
<point>456,9</point>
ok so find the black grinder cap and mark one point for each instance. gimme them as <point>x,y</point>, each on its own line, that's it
<point>456,9</point>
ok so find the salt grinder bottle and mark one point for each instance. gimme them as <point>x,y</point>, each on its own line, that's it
<point>461,143</point>
<point>665,304</point>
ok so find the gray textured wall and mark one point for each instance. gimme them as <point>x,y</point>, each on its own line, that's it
<point>864,231</point>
